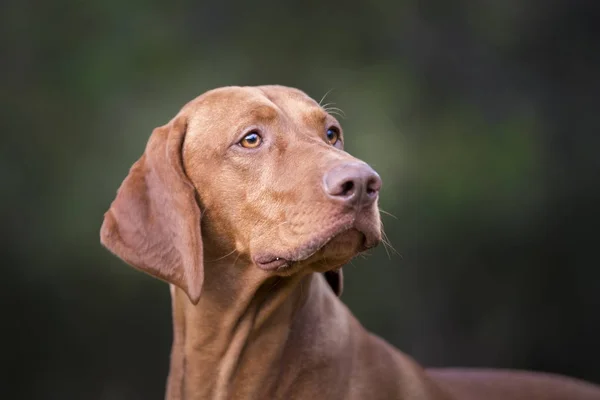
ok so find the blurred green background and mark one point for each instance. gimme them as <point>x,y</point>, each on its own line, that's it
<point>481,117</point>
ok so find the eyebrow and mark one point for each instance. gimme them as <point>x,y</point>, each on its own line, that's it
<point>264,113</point>
<point>255,115</point>
<point>316,115</point>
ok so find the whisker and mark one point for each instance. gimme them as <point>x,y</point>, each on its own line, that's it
<point>336,113</point>
<point>393,249</point>
<point>386,245</point>
<point>331,106</point>
<point>386,242</point>
<point>225,256</point>
<point>387,213</point>
<point>236,259</point>
<point>325,95</point>
<point>331,109</point>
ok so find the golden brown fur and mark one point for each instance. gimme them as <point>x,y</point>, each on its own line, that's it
<point>251,241</point>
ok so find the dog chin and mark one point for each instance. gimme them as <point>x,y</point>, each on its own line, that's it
<point>328,251</point>
<point>331,255</point>
<point>338,251</point>
<point>345,244</point>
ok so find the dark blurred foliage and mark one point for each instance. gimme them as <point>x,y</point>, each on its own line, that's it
<point>481,117</point>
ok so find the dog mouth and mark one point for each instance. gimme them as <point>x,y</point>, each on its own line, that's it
<point>270,262</point>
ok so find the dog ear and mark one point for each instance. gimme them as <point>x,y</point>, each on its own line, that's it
<point>335,278</point>
<point>154,222</point>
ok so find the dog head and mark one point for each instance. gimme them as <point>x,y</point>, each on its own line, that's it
<point>255,172</point>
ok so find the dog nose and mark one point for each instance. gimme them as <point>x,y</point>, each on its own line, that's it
<point>355,184</point>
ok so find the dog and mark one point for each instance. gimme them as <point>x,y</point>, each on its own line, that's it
<point>248,206</point>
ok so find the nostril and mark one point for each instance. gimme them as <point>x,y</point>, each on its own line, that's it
<point>347,188</point>
<point>373,186</point>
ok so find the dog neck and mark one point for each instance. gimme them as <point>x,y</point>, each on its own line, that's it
<point>238,338</point>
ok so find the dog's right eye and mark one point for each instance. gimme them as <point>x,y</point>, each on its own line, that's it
<point>251,140</point>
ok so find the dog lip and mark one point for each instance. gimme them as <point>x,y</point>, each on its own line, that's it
<point>272,261</point>
<point>269,263</point>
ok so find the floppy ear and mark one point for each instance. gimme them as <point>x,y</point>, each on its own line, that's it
<point>335,278</point>
<point>154,222</point>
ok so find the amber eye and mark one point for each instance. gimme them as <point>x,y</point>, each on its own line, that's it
<point>333,135</point>
<point>251,140</point>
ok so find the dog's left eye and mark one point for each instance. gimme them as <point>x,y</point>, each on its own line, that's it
<point>333,135</point>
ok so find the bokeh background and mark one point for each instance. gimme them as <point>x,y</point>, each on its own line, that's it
<point>481,117</point>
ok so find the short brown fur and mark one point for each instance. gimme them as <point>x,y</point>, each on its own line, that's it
<point>207,215</point>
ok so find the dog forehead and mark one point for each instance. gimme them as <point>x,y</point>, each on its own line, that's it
<point>222,109</point>
<point>278,94</point>
<point>291,101</point>
<point>222,100</point>
<point>241,98</point>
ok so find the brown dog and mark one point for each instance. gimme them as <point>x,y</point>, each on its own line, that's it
<point>247,205</point>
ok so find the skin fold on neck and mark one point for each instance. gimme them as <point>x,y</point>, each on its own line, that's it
<point>265,320</point>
